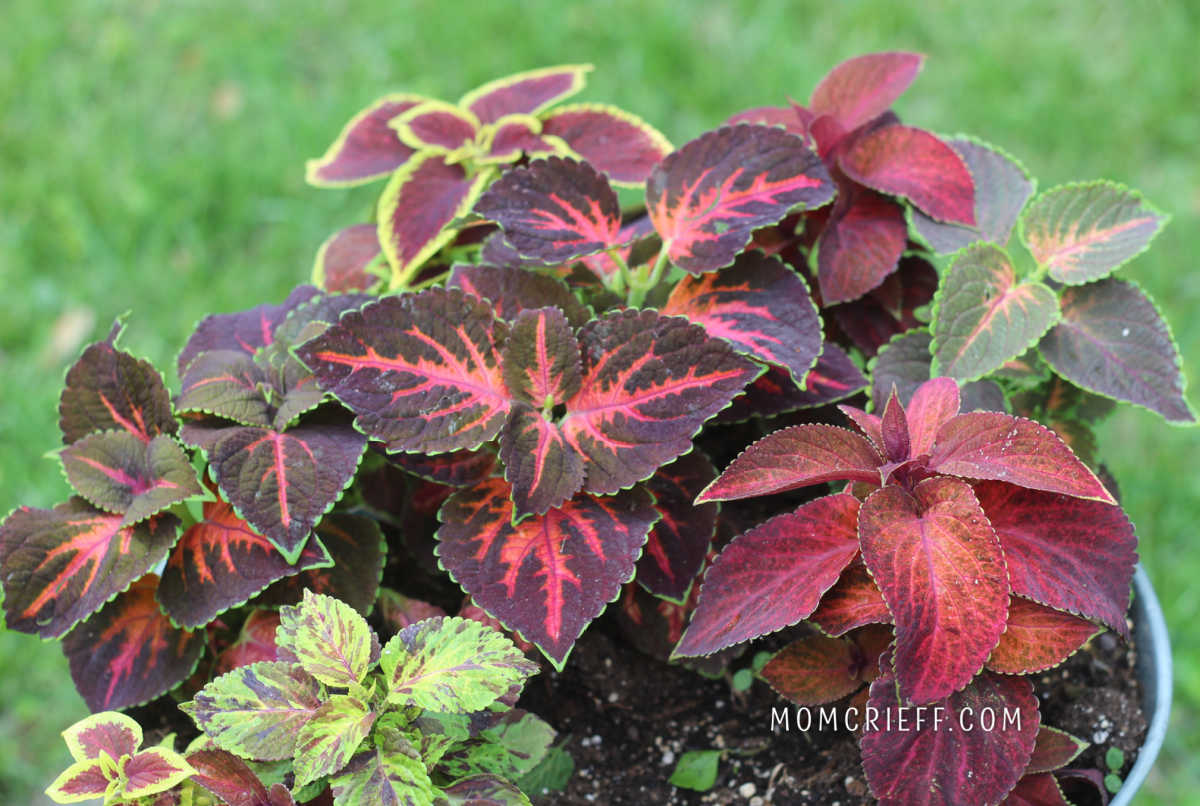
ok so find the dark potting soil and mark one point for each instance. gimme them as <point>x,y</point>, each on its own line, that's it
<point>630,718</point>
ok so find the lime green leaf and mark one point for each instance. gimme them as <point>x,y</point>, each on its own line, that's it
<point>328,638</point>
<point>326,742</point>
<point>385,773</point>
<point>696,769</point>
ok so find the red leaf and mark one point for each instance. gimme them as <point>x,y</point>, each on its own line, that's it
<point>421,371</point>
<point>817,670</point>
<point>792,118</point>
<point>367,148</point>
<point>151,770</point>
<point>542,468</point>
<point>129,653</point>
<point>893,430</point>
<point>343,259</point>
<point>436,126</point>
<point>548,576</point>
<point>774,575</point>
<point>949,757</point>
<point>835,377</point>
<point>525,93</point>
<point>220,563</point>
<point>554,210</point>
<point>61,565</point>
<point>933,404</point>
<point>1037,638</point>
<point>512,290</point>
<point>1066,553</point>
<point>860,245</point>
<point>1000,447</point>
<point>255,643</point>
<point>941,571</point>
<point>228,777</point>
<point>912,163</point>
<point>515,137</point>
<point>889,309</point>
<point>759,306</point>
<point>244,331</point>
<point>616,143</point>
<point>707,198</point>
<point>860,89</point>
<point>1036,790</point>
<point>649,383</point>
<point>1054,750</point>
<point>796,457</point>
<point>680,540</point>
<point>854,601</point>
<point>108,388</point>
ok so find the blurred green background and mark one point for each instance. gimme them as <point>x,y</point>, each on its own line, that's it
<point>152,159</point>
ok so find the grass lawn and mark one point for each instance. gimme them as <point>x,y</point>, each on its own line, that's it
<point>152,159</point>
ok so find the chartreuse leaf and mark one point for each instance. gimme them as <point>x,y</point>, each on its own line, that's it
<point>613,141</point>
<point>153,770</point>
<point>325,743</point>
<point>941,571</point>
<point>367,147</point>
<point>773,575</point>
<point>257,711</point>
<point>85,780</point>
<point>1037,637</point>
<point>862,88</point>
<point>452,665</point>
<point>984,317</point>
<point>1113,341</point>
<point>709,196</point>
<point>109,732</point>
<point>1083,232</point>
<point>696,770</point>
<point>949,756</point>
<point>329,639</point>
<point>388,771</point>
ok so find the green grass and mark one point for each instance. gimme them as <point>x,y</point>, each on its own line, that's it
<point>152,153</point>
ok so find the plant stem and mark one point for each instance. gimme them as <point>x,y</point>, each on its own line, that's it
<point>640,287</point>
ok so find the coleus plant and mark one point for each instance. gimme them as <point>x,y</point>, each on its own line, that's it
<point>533,415</point>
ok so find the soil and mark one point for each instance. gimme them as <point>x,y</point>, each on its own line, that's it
<point>630,717</point>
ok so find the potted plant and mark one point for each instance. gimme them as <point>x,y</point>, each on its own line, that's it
<point>507,386</point>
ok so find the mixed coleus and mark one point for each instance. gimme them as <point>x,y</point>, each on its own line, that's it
<point>533,415</point>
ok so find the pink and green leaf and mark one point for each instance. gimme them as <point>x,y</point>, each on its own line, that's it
<point>707,198</point>
<point>511,290</point>
<point>109,389</point>
<point>543,469</point>
<point>760,306</point>
<point>61,565</point>
<point>257,711</point>
<point>367,147</point>
<point>243,331</point>
<point>228,384</point>
<point>816,670</point>
<point>1037,638</point>
<point>1054,750</point>
<point>1067,553</point>
<point>328,638</point>
<point>940,763</point>
<point>345,259</point>
<point>421,371</point>
<point>454,469</point>
<point>548,576</point>
<point>679,542</point>
<point>915,165</point>
<point>120,473</point>
<point>228,777</point>
<point>452,665</point>
<point>852,602</point>
<point>153,770</point>
<point>796,457</point>
<point>941,571</point>
<point>618,144</point>
<point>774,575</point>
<point>554,210</point>
<point>541,358</point>
<point>528,93</point>
<point>1113,341</point>
<point>860,89</point>
<point>108,732</point>
<point>983,316</point>
<point>326,742</point>
<point>129,652</point>
<point>89,779</point>
<point>860,245</point>
<point>1084,232</point>
<point>1000,447</point>
<point>436,127</point>
<point>649,384</point>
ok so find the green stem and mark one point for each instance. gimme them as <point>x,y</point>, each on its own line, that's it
<point>619,280</point>
<point>640,287</point>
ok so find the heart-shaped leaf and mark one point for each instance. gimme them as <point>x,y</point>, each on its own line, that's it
<point>516,136</point>
<point>367,147</point>
<point>613,141</point>
<point>860,245</point>
<point>984,317</point>
<point>860,89</point>
<point>941,571</point>
<point>773,575</point>
<point>1086,231</point>
<point>679,542</point>
<point>1037,638</point>
<point>915,165</point>
<point>709,196</point>
<point>328,639</point>
<point>1113,341</point>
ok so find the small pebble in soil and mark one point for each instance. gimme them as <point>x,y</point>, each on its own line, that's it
<point>747,790</point>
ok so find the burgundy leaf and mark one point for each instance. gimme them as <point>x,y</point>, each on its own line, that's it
<point>862,88</point>
<point>890,308</point>
<point>833,378</point>
<point>854,601</point>
<point>517,135</point>
<point>1040,789</point>
<point>228,777</point>
<point>436,126</point>
<point>456,469</point>
<point>283,482</point>
<point>948,757</point>
<point>343,259</point>
<point>220,562</point>
<point>512,290</point>
<point>871,426</point>
<point>554,210</point>
<point>255,643</point>
<point>774,575</point>
<point>108,388</point>
<point>129,653</point>
<point>760,306</point>
<point>1000,447</point>
<point>1113,341</point>
<point>912,163</point>
<point>525,93</point>
<point>420,371</point>
<point>796,457</point>
<point>680,541</point>
<point>616,143</point>
<point>707,198</point>
<point>550,575</point>
<point>1054,750</point>
<point>933,404</point>
<point>941,571</point>
<point>367,148</point>
<point>860,245</point>
<point>893,430</point>
<point>61,565</point>
<point>543,469</point>
<point>815,670</point>
<point>649,383</point>
<point>1066,553</point>
<point>1037,638</point>
<point>398,611</point>
<point>244,331</point>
